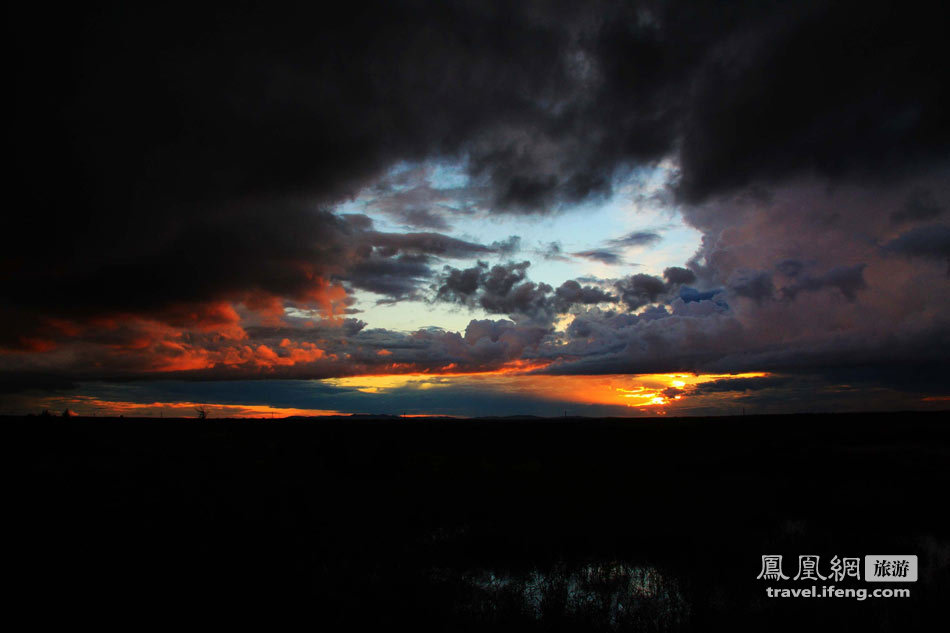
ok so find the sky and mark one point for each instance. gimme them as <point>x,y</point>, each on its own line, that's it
<point>477,209</point>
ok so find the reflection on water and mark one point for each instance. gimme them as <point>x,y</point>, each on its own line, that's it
<point>601,596</point>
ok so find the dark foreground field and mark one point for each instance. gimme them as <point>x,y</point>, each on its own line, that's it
<point>476,525</point>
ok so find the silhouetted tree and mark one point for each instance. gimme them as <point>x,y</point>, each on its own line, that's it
<point>202,413</point>
<point>67,413</point>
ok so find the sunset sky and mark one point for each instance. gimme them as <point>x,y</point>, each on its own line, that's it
<point>477,208</point>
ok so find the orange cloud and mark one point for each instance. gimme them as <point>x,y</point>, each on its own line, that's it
<point>329,298</point>
<point>211,316</point>
<point>305,353</point>
<point>269,307</point>
<point>178,356</point>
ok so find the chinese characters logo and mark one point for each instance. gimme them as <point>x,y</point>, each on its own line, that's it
<point>877,568</point>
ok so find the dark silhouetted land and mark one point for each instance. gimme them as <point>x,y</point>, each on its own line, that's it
<point>476,525</point>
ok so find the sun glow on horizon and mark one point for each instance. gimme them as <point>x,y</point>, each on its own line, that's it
<point>653,394</point>
<point>629,390</point>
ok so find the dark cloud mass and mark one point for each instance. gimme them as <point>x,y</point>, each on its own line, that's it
<point>640,290</point>
<point>847,279</point>
<point>173,206</point>
<point>678,275</point>
<point>755,285</point>
<point>571,293</point>
<point>504,289</point>
<point>920,205</point>
<point>923,241</point>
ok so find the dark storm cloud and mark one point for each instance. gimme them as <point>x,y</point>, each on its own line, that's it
<point>752,284</point>
<point>847,279</point>
<point>602,255</point>
<point>235,252</point>
<point>677,275</point>
<point>395,277</point>
<point>921,205</point>
<point>848,90</point>
<point>499,289</point>
<point>790,267</point>
<point>701,337</point>
<point>153,146</point>
<point>175,162</point>
<point>398,265</point>
<point>741,384</point>
<point>640,289</point>
<point>923,241</point>
<point>149,143</point>
<point>292,255</point>
<point>312,331</point>
<point>505,289</point>
<point>528,298</point>
<point>459,285</point>
<point>759,286</point>
<point>571,293</point>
